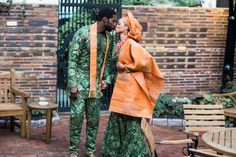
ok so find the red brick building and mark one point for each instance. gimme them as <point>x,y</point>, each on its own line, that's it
<point>188,44</point>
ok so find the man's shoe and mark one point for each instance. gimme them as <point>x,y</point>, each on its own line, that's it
<point>90,155</point>
<point>74,155</point>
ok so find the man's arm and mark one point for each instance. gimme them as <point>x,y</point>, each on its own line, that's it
<point>73,75</point>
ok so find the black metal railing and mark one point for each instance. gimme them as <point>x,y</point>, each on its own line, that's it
<point>74,14</point>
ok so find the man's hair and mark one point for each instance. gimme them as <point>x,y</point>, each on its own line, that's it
<point>105,12</point>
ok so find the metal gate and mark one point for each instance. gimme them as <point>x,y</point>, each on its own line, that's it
<point>74,14</point>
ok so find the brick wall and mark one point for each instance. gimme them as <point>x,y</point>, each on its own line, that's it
<point>30,47</point>
<point>188,44</point>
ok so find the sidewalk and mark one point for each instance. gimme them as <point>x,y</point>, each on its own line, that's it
<point>11,145</point>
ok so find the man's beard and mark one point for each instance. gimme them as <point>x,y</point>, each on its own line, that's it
<point>108,28</point>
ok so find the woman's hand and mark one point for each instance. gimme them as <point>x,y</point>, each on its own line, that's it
<point>104,85</point>
<point>120,67</point>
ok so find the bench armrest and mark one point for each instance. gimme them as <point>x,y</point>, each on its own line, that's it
<point>19,92</point>
<point>227,94</point>
<point>185,141</point>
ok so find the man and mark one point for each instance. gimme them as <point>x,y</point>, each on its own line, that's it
<point>88,64</point>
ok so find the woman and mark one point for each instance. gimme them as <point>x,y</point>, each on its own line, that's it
<point>138,84</point>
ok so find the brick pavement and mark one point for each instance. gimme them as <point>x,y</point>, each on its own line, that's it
<point>11,145</point>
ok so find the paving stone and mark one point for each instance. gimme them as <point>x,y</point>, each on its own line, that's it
<point>11,145</point>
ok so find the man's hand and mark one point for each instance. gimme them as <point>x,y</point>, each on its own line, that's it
<point>120,67</point>
<point>104,85</point>
<point>73,93</point>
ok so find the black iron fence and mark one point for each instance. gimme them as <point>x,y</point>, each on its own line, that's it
<point>74,14</point>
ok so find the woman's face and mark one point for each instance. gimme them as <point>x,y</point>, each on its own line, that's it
<point>121,26</point>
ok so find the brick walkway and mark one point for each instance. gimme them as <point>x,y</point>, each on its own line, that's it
<point>11,145</point>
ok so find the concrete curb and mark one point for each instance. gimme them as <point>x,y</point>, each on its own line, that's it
<point>154,121</point>
<point>167,122</point>
<point>42,122</point>
<point>158,121</point>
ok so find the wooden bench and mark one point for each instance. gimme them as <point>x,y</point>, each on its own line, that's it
<point>8,105</point>
<point>198,119</point>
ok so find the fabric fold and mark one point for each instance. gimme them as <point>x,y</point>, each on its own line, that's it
<point>135,93</point>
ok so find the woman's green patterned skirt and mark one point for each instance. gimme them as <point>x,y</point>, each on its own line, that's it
<point>124,138</point>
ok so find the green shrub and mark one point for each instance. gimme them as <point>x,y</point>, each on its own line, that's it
<point>230,87</point>
<point>36,114</point>
<point>211,99</point>
<point>169,106</point>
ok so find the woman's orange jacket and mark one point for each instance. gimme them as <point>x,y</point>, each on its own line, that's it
<point>135,93</point>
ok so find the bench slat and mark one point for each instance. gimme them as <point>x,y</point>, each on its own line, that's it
<point>204,123</point>
<point>206,117</point>
<point>5,91</point>
<point>205,112</point>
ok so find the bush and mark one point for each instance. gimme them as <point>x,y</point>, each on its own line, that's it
<point>212,99</point>
<point>230,87</point>
<point>169,106</point>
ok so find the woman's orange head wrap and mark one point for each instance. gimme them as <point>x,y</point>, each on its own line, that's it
<point>135,29</point>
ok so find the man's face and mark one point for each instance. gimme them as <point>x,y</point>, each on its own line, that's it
<point>111,23</point>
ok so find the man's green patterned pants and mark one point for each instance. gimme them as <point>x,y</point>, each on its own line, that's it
<point>91,108</point>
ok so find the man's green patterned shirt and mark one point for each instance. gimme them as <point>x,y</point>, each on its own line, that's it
<point>79,61</point>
